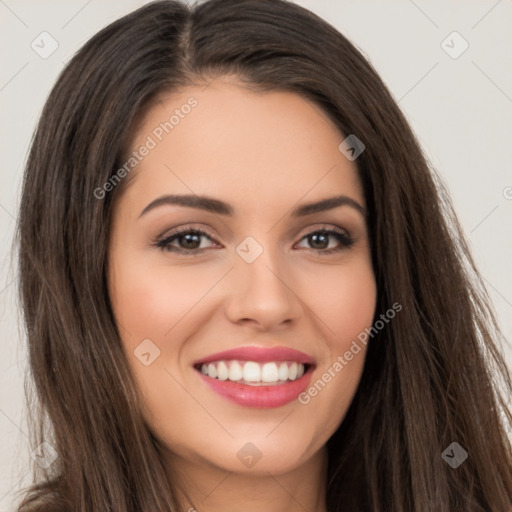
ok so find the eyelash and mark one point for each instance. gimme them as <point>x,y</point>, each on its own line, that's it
<point>163,244</point>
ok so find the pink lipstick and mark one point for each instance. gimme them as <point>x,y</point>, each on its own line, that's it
<point>257,376</point>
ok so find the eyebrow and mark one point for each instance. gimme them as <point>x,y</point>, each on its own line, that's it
<point>221,208</point>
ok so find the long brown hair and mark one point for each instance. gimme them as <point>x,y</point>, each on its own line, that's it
<point>433,376</point>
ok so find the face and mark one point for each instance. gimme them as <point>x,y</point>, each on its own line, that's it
<point>234,300</point>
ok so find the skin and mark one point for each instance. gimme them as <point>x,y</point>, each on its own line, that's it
<point>264,154</point>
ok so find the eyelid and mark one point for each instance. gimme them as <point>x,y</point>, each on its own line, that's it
<point>193,227</point>
<point>163,242</point>
<point>202,231</point>
<point>324,227</point>
<point>185,229</point>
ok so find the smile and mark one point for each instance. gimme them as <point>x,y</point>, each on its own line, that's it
<point>257,377</point>
<point>253,373</point>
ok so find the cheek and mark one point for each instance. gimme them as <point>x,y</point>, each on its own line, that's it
<point>346,310</point>
<point>346,303</point>
<point>156,303</point>
<point>149,301</point>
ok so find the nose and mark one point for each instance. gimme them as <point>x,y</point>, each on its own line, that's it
<point>263,293</point>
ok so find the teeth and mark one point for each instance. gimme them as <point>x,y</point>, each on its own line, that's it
<point>269,372</point>
<point>212,370</point>
<point>235,371</point>
<point>222,371</point>
<point>253,373</point>
<point>283,371</point>
<point>292,371</point>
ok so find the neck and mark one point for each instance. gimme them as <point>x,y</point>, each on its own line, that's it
<point>202,487</point>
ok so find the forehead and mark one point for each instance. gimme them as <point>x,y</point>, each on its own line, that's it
<point>255,149</point>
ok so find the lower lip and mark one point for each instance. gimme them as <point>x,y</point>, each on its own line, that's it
<point>259,396</point>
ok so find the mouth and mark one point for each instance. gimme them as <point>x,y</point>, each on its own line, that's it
<point>252,373</point>
<point>257,377</point>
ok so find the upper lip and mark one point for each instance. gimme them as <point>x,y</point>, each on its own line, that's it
<point>259,354</point>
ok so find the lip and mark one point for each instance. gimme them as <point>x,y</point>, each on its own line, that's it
<point>259,396</point>
<point>259,355</point>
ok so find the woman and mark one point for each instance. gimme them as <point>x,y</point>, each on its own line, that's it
<point>244,287</point>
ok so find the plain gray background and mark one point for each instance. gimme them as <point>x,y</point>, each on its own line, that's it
<point>458,105</point>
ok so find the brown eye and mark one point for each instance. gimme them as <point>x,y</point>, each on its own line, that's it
<point>319,240</point>
<point>187,241</point>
